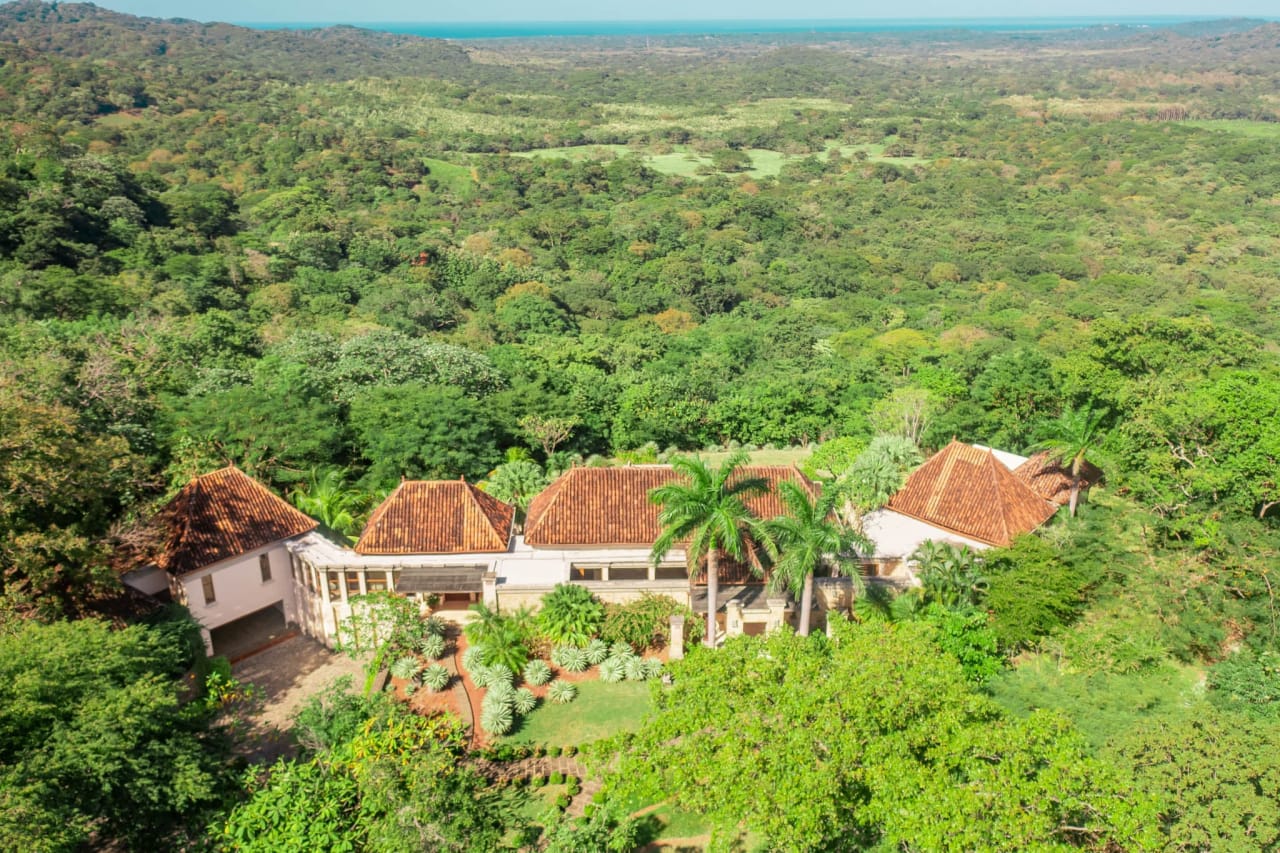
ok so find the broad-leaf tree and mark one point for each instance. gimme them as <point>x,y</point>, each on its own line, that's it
<point>707,509</point>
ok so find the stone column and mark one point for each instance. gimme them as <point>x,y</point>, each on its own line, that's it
<point>208,640</point>
<point>733,618</point>
<point>490,587</point>
<point>778,613</point>
<point>676,650</point>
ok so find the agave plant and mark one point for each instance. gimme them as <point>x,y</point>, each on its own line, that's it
<point>537,673</point>
<point>571,659</point>
<point>482,676</point>
<point>473,658</point>
<point>406,668</point>
<point>562,692</point>
<point>501,673</point>
<point>500,693</point>
<point>410,689</point>
<point>613,670</point>
<point>497,719</point>
<point>524,701</point>
<point>653,668</point>
<point>432,646</point>
<point>635,669</point>
<point>434,626</point>
<point>597,650</point>
<point>621,649</point>
<point>435,677</point>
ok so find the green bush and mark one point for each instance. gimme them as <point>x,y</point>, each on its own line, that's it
<point>646,622</point>
<point>574,789</point>
<point>562,802</point>
<point>436,676</point>
<point>406,667</point>
<point>537,672</point>
<point>570,615</point>
<point>1031,592</point>
<point>504,636</point>
<point>570,750</point>
<point>562,692</point>
<point>537,781</point>
<point>967,636</point>
<point>557,778</point>
<point>553,751</point>
<point>1247,681</point>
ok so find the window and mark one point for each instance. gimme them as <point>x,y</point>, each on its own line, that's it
<point>586,573</point>
<point>334,590</point>
<point>376,583</point>
<point>670,573</point>
<point>206,584</point>
<point>353,583</point>
<point>628,573</point>
<point>264,566</point>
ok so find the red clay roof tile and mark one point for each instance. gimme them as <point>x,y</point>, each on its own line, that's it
<point>438,517</point>
<point>1050,480</point>
<point>610,506</point>
<point>968,491</point>
<point>223,514</point>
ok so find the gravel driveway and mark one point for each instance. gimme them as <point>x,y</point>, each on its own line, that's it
<point>288,674</point>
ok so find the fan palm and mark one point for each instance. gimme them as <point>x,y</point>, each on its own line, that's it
<point>707,509</point>
<point>1069,439</point>
<point>803,540</point>
<point>328,500</point>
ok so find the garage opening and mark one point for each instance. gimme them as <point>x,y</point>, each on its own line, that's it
<point>242,637</point>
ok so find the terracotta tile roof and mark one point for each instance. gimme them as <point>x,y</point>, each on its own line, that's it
<point>223,514</point>
<point>968,491</point>
<point>438,517</point>
<point>1052,481</point>
<point>610,506</point>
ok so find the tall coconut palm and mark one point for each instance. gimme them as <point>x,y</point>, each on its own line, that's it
<point>803,540</point>
<point>1070,438</point>
<point>707,508</point>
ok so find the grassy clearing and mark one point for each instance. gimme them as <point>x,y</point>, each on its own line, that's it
<point>457,179</point>
<point>600,711</point>
<point>782,456</point>
<point>1244,127</point>
<point>683,161</point>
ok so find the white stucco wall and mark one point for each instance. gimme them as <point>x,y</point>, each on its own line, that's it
<point>238,589</point>
<point>896,535</point>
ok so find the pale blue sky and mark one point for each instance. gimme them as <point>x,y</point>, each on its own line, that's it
<point>586,10</point>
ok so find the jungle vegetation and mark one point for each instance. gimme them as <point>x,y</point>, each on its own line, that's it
<point>338,257</point>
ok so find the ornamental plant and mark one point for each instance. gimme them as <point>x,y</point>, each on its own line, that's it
<point>406,667</point>
<point>537,672</point>
<point>597,650</point>
<point>473,657</point>
<point>570,658</point>
<point>562,692</point>
<point>613,670</point>
<point>435,677</point>
<point>635,669</point>
<point>524,701</point>
<point>496,719</point>
<point>432,646</point>
<point>570,615</point>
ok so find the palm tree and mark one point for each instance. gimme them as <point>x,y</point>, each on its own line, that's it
<point>803,540</point>
<point>328,500</point>
<point>707,509</point>
<point>1070,438</point>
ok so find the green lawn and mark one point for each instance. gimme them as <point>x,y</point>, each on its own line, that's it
<point>451,176</point>
<point>601,710</point>
<point>780,456</point>
<point>1262,129</point>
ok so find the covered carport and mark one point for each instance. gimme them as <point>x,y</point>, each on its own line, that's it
<point>254,632</point>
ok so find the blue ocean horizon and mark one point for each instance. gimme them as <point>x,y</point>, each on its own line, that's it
<point>469,30</point>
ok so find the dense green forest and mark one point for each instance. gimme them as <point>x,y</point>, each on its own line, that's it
<point>396,257</point>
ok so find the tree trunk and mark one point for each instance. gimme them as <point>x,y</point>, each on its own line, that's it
<point>713,592</point>
<point>806,604</point>
<point>1075,495</point>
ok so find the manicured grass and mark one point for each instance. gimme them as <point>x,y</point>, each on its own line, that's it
<point>601,710</point>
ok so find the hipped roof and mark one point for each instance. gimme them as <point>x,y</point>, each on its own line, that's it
<point>221,515</point>
<point>438,517</point>
<point>611,507</point>
<point>970,492</point>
